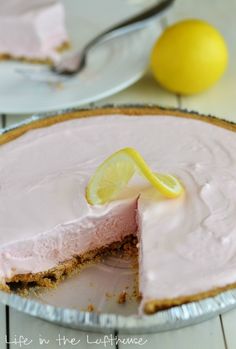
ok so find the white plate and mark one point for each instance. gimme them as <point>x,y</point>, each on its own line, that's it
<point>111,67</point>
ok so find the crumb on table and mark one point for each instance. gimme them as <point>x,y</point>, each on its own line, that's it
<point>90,308</point>
<point>122,297</point>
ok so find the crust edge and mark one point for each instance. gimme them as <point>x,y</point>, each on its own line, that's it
<point>107,110</point>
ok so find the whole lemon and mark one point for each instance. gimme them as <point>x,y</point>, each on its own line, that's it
<point>189,57</point>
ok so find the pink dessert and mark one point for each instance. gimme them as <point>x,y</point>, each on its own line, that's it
<point>187,246</point>
<point>32,30</point>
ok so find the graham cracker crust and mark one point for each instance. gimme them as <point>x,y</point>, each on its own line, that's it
<point>129,111</point>
<point>63,47</point>
<point>22,283</point>
<point>154,305</point>
<point>54,276</point>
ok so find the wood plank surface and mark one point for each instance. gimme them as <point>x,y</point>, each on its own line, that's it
<point>207,335</point>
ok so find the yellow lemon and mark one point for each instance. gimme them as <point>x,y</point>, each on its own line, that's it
<point>189,57</point>
<point>116,171</point>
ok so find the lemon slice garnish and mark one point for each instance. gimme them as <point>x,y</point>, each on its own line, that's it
<point>115,172</point>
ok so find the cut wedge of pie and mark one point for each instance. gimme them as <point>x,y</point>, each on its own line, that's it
<point>32,31</point>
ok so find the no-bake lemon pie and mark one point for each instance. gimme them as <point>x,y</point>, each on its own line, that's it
<point>49,227</point>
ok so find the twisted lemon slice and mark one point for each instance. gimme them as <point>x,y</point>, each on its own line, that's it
<point>115,172</point>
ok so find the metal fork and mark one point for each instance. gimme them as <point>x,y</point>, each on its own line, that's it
<point>76,62</point>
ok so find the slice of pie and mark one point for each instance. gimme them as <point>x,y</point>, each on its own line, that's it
<point>32,30</point>
<point>186,246</point>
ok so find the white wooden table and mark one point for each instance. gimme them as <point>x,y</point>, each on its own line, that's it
<point>217,333</point>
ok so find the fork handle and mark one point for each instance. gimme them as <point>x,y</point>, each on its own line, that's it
<point>134,23</point>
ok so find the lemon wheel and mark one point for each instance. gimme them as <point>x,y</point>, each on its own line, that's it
<point>116,171</point>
